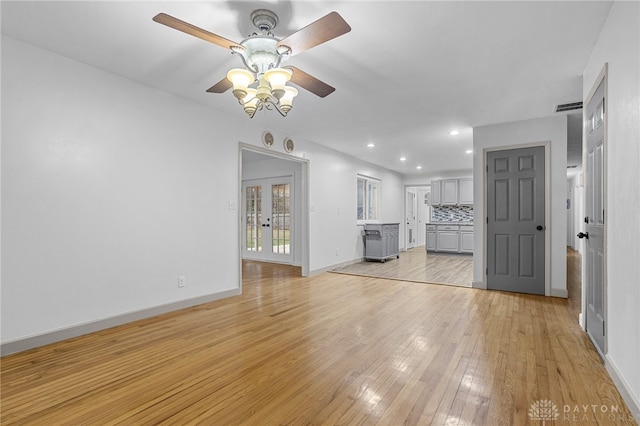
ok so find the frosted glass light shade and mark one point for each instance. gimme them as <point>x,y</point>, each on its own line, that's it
<point>240,78</point>
<point>286,101</point>
<point>278,77</point>
<point>250,102</point>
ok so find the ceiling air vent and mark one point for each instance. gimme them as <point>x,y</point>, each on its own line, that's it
<point>568,107</point>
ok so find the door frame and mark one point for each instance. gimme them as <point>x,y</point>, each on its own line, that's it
<point>547,208</point>
<point>603,76</point>
<point>304,203</point>
<point>404,209</point>
<point>420,202</point>
<point>407,190</point>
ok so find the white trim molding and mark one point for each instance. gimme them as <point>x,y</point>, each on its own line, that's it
<point>54,336</point>
<point>630,399</point>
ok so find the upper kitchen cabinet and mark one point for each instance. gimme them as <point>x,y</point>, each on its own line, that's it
<point>452,192</point>
<point>449,192</point>
<point>466,191</point>
<point>435,192</point>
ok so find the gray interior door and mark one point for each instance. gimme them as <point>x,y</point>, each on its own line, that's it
<point>516,220</point>
<point>594,220</point>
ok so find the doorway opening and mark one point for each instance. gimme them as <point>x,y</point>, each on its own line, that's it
<point>274,220</point>
<point>417,211</point>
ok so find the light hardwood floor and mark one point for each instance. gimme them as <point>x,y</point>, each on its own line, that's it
<point>330,349</point>
<point>419,266</point>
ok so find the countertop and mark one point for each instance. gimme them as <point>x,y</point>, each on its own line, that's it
<point>449,223</point>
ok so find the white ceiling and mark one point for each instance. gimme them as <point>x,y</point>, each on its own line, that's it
<point>407,73</point>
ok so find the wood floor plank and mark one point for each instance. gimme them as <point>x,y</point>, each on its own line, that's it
<point>417,265</point>
<point>330,349</point>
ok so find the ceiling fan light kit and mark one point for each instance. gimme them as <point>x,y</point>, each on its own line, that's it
<point>262,83</point>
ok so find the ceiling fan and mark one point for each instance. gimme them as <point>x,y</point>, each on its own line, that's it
<point>262,55</point>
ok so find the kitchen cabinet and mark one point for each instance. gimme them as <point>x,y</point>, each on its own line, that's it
<point>449,192</point>
<point>452,192</point>
<point>449,238</point>
<point>431,237</point>
<point>466,239</point>
<point>435,192</point>
<point>448,241</point>
<point>465,188</point>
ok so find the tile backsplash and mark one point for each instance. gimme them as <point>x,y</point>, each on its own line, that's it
<point>452,214</point>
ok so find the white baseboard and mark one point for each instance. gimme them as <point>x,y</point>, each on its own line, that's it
<point>23,344</point>
<point>559,292</point>
<point>335,266</point>
<point>479,284</point>
<point>632,401</point>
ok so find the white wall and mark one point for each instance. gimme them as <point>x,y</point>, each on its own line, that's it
<point>619,46</point>
<point>112,189</point>
<point>332,202</point>
<point>553,129</point>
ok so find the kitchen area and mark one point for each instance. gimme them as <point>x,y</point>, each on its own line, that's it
<point>450,229</point>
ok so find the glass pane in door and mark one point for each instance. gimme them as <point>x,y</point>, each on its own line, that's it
<point>281,223</point>
<point>253,219</point>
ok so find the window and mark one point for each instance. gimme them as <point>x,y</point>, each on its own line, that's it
<point>368,198</point>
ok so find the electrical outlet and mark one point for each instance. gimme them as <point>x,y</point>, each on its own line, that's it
<point>337,252</point>
<point>182,281</point>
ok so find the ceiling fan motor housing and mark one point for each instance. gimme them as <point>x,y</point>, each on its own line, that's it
<point>264,20</point>
<point>260,53</point>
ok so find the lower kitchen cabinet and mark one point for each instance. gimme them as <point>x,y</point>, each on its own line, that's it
<point>466,239</point>
<point>448,241</point>
<point>449,238</point>
<point>431,237</point>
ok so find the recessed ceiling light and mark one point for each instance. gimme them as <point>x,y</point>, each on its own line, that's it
<point>371,145</point>
<point>403,159</point>
<point>419,167</point>
<point>454,132</point>
<point>469,151</point>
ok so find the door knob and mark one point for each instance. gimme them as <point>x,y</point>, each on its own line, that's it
<point>583,235</point>
<point>539,227</point>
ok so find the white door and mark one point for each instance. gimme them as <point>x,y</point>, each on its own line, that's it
<point>424,214</point>
<point>594,247</point>
<point>410,212</point>
<point>268,220</point>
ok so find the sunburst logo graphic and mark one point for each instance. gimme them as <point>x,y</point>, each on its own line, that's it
<point>543,410</point>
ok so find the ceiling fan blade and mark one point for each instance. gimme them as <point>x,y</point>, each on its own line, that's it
<point>310,83</point>
<point>324,29</point>
<point>221,86</point>
<point>186,27</point>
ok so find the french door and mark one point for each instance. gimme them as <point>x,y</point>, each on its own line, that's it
<point>268,220</point>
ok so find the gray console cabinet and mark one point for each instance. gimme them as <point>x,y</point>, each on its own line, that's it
<point>381,241</point>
